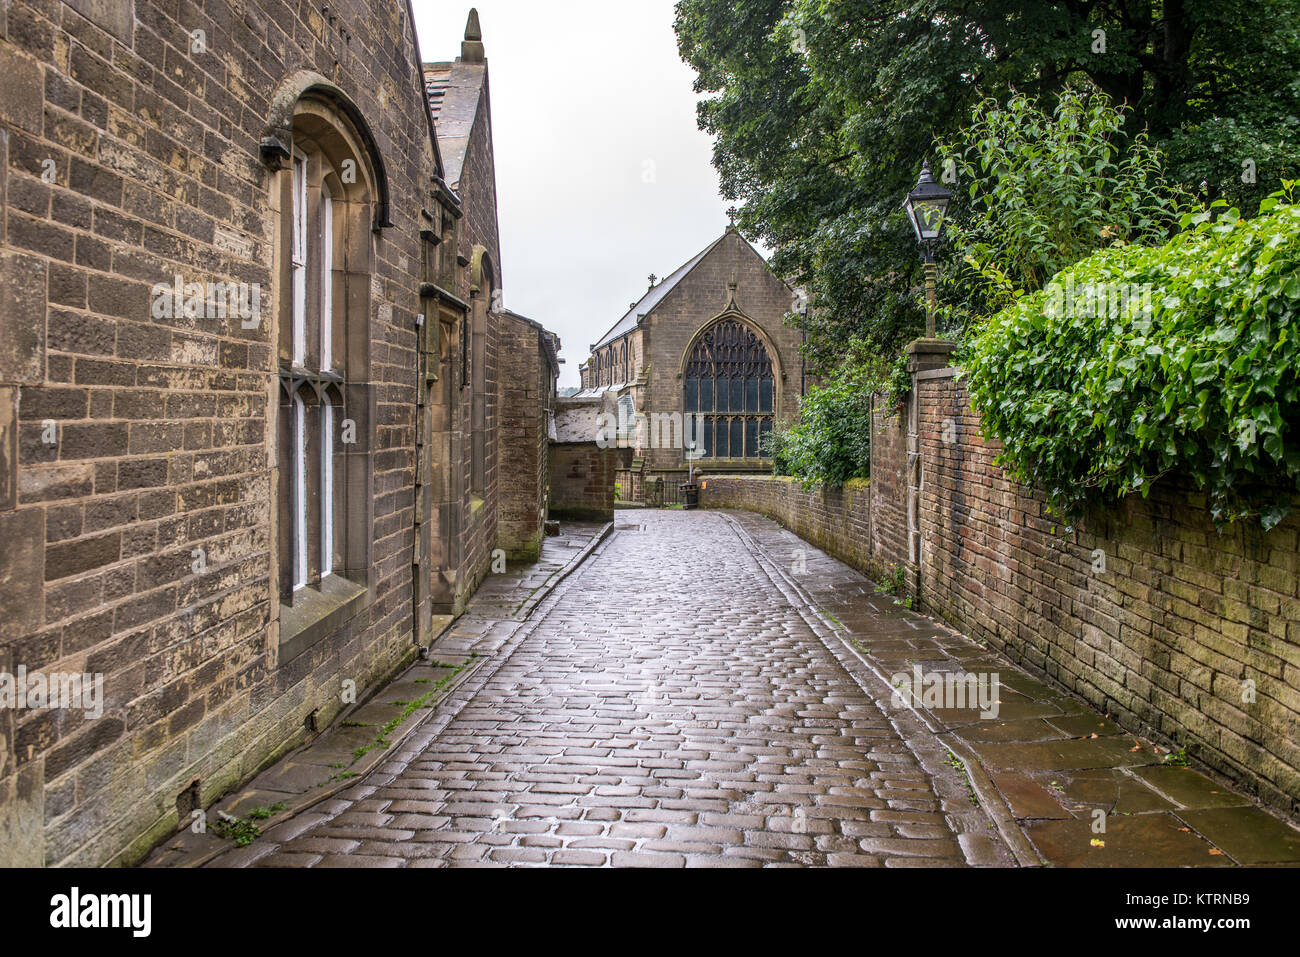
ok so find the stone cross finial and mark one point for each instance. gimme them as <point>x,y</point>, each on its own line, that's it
<point>731,216</point>
<point>653,279</point>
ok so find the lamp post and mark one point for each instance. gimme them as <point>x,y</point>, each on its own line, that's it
<point>926,206</point>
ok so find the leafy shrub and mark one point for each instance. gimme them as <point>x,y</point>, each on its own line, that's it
<point>895,384</point>
<point>774,448</point>
<point>1038,189</point>
<point>1202,383</point>
<point>831,443</point>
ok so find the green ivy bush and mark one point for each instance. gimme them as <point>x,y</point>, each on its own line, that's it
<point>831,442</point>
<point>774,448</point>
<point>1093,401</point>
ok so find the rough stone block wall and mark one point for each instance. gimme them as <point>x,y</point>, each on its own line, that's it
<point>1163,638</point>
<point>129,155</point>
<point>480,507</point>
<point>838,521</point>
<point>582,481</point>
<point>523,385</point>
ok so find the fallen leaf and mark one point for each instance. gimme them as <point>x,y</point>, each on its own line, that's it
<point>1217,852</point>
<point>1098,842</point>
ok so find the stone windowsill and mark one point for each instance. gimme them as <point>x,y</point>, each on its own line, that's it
<point>743,464</point>
<point>316,613</point>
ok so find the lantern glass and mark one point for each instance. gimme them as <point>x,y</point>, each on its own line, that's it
<point>926,206</point>
<point>927,217</point>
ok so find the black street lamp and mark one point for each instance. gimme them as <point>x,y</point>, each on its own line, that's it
<point>926,207</point>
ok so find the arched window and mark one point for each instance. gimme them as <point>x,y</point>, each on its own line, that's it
<point>325,256</point>
<point>729,382</point>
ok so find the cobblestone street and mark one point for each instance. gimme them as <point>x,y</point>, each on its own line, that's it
<point>668,704</point>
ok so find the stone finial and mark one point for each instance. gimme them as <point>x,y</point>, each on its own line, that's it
<point>653,279</point>
<point>471,51</point>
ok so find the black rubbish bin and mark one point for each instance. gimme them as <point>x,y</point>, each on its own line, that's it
<point>690,495</point>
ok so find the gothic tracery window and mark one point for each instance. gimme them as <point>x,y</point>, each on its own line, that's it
<point>729,382</point>
<point>326,240</point>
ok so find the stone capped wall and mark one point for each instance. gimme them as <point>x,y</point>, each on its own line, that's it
<point>838,521</point>
<point>1143,609</point>
<point>582,482</point>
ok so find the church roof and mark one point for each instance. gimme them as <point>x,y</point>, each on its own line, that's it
<point>655,295</point>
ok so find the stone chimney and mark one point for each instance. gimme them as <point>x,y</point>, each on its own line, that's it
<point>471,51</point>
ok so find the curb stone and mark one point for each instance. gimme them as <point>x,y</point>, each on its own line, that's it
<point>989,800</point>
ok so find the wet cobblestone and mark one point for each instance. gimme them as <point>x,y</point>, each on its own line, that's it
<point>668,705</point>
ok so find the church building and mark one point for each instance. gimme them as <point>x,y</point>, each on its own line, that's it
<point>705,359</point>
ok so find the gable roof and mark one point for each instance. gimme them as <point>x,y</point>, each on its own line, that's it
<point>656,295</point>
<point>454,91</point>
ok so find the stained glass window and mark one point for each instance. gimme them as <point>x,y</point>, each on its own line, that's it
<point>729,379</point>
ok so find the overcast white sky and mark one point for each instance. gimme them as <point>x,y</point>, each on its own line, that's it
<point>602,174</point>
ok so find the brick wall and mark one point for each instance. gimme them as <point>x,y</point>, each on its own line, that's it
<point>888,485</point>
<point>1162,636</point>
<point>838,521</point>
<point>1162,639</point>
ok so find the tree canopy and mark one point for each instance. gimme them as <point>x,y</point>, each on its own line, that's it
<point>823,111</point>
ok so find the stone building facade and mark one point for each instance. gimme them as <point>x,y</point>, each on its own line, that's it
<point>249,392</point>
<point>705,356</point>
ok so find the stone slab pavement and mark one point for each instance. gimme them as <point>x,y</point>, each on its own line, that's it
<point>361,736</point>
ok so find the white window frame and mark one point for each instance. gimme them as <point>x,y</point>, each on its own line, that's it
<point>327,489</point>
<point>326,281</point>
<point>300,493</point>
<point>299,258</point>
